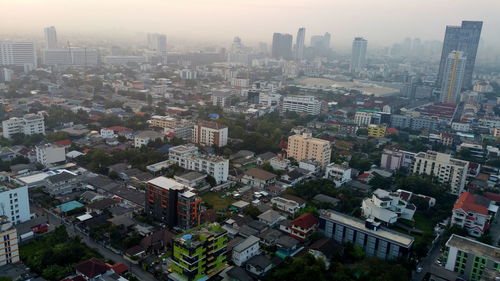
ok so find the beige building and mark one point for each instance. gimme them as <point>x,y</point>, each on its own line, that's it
<point>444,168</point>
<point>162,121</point>
<point>210,133</point>
<point>304,146</point>
<point>9,250</point>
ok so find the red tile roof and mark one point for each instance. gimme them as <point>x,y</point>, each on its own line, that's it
<point>118,268</point>
<point>63,142</point>
<point>470,202</point>
<point>493,196</point>
<point>92,268</point>
<point>305,221</point>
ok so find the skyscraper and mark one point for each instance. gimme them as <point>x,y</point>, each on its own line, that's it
<point>50,37</point>
<point>282,46</point>
<point>358,59</point>
<point>158,44</point>
<point>299,45</point>
<point>453,76</point>
<point>326,40</point>
<point>464,38</point>
<point>19,54</point>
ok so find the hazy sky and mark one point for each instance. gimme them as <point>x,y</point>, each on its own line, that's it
<point>380,21</point>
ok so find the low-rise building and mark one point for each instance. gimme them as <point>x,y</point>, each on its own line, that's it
<point>474,213</point>
<point>387,207</point>
<point>245,250</point>
<point>144,137</point>
<point>340,174</point>
<point>61,183</point>
<point>376,131</point>
<point>302,104</point>
<point>258,178</point>
<point>303,226</point>
<point>287,205</point>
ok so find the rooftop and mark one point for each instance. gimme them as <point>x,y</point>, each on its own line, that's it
<point>472,246</point>
<point>195,237</point>
<point>167,183</point>
<point>260,174</point>
<point>471,202</point>
<point>251,240</point>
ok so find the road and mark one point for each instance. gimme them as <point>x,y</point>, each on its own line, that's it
<point>428,262</point>
<point>55,221</point>
<point>495,231</point>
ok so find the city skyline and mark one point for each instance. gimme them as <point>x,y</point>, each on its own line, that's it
<point>343,19</point>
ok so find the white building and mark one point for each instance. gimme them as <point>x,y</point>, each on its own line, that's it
<point>363,118</point>
<point>107,133</point>
<point>461,127</point>
<point>396,159</point>
<point>387,207</point>
<point>453,77</point>
<point>48,154</point>
<point>443,167</point>
<point>158,44</point>
<point>188,74</point>
<point>21,54</point>
<point>339,174</point>
<point>9,252</point>
<point>144,137</point>
<point>279,163</point>
<point>14,201</point>
<point>188,157</point>
<point>245,250</point>
<point>210,133</point>
<point>358,56</point>
<point>221,99</point>
<point>29,124</point>
<point>269,99</point>
<point>302,104</point>
<point>50,37</point>
<point>474,213</point>
<point>287,205</point>
<point>240,82</point>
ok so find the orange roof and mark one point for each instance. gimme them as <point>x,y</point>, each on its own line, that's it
<point>305,221</point>
<point>392,131</point>
<point>63,142</point>
<point>470,202</point>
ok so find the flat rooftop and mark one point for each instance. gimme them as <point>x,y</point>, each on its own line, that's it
<point>167,183</point>
<point>472,246</point>
<point>383,233</point>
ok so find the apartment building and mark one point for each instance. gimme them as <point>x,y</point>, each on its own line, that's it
<point>221,99</point>
<point>304,146</point>
<point>172,203</point>
<point>302,104</point>
<point>396,159</point>
<point>9,249</point>
<point>470,258</point>
<point>376,131</point>
<point>144,137</point>
<point>19,54</point>
<point>210,133</point>
<point>474,213</point>
<point>374,239</point>
<point>340,174</point>
<point>245,250</point>
<point>29,124</point>
<point>14,201</point>
<point>48,154</point>
<point>387,207</point>
<point>199,253</point>
<point>442,166</point>
<point>182,130</point>
<point>188,157</point>
<point>162,121</point>
<point>363,118</point>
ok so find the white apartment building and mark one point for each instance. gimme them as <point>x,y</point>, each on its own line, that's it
<point>189,158</point>
<point>144,137</point>
<point>363,118</point>
<point>221,99</point>
<point>443,167</point>
<point>210,133</point>
<point>48,154</point>
<point>22,54</point>
<point>14,201</point>
<point>9,247</point>
<point>387,207</point>
<point>339,174</point>
<point>302,104</point>
<point>287,205</point>
<point>71,56</point>
<point>474,213</point>
<point>246,250</point>
<point>188,74</point>
<point>269,99</point>
<point>240,82</point>
<point>28,125</point>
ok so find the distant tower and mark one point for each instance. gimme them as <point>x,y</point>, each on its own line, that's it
<point>453,77</point>
<point>282,46</point>
<point>358,59</point>
<point>326,40</point>
<point>464,38</point>
<point>299,45</point>
<point>50,37</point>
<point>158,44</point>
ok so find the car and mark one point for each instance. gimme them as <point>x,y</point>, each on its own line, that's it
<point>419,269</point>
<point>438,262</point>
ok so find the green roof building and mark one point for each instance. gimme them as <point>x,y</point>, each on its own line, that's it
<point>199,253</point>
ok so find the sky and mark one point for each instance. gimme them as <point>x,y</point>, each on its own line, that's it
<point>381,22</point>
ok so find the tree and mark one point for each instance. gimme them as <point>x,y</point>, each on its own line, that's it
<point>252,211</point>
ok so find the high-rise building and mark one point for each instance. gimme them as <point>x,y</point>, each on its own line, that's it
<point>444,168</point>
<point>299,44</point>
<point>199,253</point>
<point>158,44</point>
<point>50,37</point>
<point>302,104</point>
<point>358,58</point>
<point>303,147</point>
<point>9,249</point>
<point>73,56</point>
<point>464,38</point>
<point>14,201</point>
<point>453,77</point>
<point>29,124</point>
<point>172,203</point>
<point>327,40</point>
<point>282,46</point>
<point>20,54</point>
<point>210,133</point>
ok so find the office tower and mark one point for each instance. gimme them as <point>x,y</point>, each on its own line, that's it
<point>321,42</point>
<point>29,124</point>
<point>158,44</point>
<point>358,59</point>
<point>302,104</point>
<point>210,133</point>
<point>200,253</point>
<point>464,38</point>
<point>299,44</point>
<point>9,248</point>
<point>172,203</point>
<point>50,37</point>
<point>447,170</point>
<point>304,147</point>
<point>19,54</point>
<point>453,77</point>
<point>282,46</point>
<point>326,40</point>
